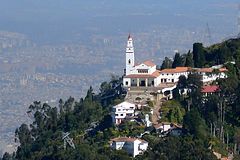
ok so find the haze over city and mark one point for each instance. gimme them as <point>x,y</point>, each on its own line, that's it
<point>56,49</point>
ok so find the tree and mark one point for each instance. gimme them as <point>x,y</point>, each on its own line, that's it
<point>195,84</point>
<point>195,125</point>
<point>198,55</point>
<point>177,61</point>
<point>104,87</point>
<point>182,82</point>
<point>167,63</point>
<point>189,60</point>
<point>223,55</point>
<point>6,156</point>
<point>89,95</point>
<point>168,148</point>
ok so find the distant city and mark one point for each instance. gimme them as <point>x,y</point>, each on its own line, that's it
<point>30,70</point>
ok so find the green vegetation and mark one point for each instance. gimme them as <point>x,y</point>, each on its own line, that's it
<point>210,123</point>
<point>167,63</point>
<point>172,111</point>
<point>198,55</point>
<point>175,148</point>
<point>214,119</point>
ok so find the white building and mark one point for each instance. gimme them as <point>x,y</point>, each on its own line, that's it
<point>140,75</point>
<point>211,74</point>
<point>146,74</point>
<point>163,127</point>
<point>130,58</point>
<point>132,146</point>
<point>172,75</point>
<point>122,111</point>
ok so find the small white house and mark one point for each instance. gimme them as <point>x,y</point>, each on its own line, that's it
<point>132,146</point>
<point>122,111</point>
<point>163,127</point>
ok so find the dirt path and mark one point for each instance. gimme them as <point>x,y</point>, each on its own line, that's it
<point>156,114</point>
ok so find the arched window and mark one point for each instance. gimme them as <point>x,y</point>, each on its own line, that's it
<point>129,61</point>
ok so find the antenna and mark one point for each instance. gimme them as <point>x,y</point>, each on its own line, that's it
<point>208,35</point>
<point>67,140</point>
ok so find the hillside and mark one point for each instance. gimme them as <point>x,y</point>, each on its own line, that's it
<point>209,123</point>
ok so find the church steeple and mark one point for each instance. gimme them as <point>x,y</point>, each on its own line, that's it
<point>129,36</point>
<point>130,59</point>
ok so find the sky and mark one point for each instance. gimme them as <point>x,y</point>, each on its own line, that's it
<point>48,20</point>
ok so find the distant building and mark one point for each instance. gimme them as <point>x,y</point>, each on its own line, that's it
<point>132,146</point>
<point>122,111</point>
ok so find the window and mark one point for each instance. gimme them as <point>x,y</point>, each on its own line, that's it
<point>126,83</point>
<point>142,71</point>
<point>121,115</point>
<point>116,114</point>
<point>129,61</point>
<point>172,80</point>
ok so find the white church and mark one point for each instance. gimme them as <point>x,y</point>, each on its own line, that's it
<point>146,74</point>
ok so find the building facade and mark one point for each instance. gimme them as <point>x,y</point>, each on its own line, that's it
<point>132,146</point>
<point>122,111</point>
<point>146,73</point>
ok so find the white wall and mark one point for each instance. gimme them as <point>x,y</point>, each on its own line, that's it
<point>122,110</point>
<point>165,127</point>
<point>128,80</point>
<point>118,145</point>
<point>143,66</point>
<point>212,76</point>
<point>134,148</point>
<point>172,76</point>
<point>139,147</point>
<point>157,81</point>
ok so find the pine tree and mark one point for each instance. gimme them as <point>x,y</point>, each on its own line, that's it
<point>189,60</point>
<point>198,55</point>
<point>167,63</point>
<point>177,61</point>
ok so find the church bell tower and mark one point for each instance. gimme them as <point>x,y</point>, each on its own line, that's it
<point>129,56</point>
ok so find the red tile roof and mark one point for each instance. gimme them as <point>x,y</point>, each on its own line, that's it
<point>210,89</point>
<point>223,69</point>
<point>149,63</point>
<point>205,70</point>
<point>209,70</point>
<point>126,139</point>
<point>153,75</point>
<point>175,70</point>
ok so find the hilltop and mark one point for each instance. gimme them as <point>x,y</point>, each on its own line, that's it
<point>209,123</point>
